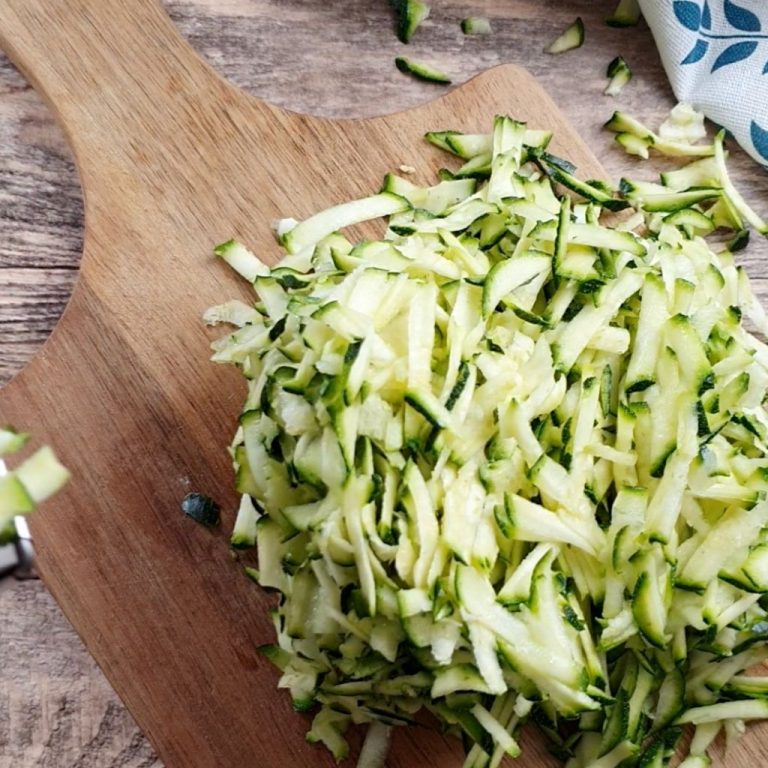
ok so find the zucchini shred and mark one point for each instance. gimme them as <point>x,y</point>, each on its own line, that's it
<point>508,463</point>
<point>410,15</point>
<point>619,74</point>
<point>31,482</point>
<point>572,37</point>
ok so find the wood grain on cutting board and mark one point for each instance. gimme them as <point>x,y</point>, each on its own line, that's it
<point>173,161</point>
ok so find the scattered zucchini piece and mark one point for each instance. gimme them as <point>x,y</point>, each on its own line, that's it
<point>620,74</point>
<point>12,441</point>
<point>627,14</point>
<point>33,481</point>
<point>421,71</point>
<point>476,25</point>
<point>699,182</point>
<point>683,124</point>
<point>637,139</point>
<point>739,241</point>
<point>410,14</point>
<point>573,37</point>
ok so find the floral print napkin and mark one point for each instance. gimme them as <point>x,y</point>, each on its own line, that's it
<point>715,53</point>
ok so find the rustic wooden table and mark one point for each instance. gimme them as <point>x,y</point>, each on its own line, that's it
<point>56,709</point>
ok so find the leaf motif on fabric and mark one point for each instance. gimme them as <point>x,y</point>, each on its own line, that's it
<point>734,53</point>
<point>697,53</point>
<point>741,18</point>
<point>706,16</point>
<point>760,139</point>
<point>688,14</point>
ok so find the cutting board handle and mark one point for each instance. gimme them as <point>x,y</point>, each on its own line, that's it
<point>108,67</point>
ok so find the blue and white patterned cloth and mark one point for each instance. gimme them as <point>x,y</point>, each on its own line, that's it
<point>715,53</point>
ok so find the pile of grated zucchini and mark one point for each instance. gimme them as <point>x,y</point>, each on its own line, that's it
<point>35,479</point>
<point>508,464</point>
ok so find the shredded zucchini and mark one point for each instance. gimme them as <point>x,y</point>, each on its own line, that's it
<point>627,14</point>
<point>676,137</point>
<point>619,74</point>
<point>508,463</point>
<point>476,25</point>
<point>421,70</point>
<point>571,38</point>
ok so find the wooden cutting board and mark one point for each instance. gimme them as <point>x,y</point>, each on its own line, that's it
<point>172,161</point>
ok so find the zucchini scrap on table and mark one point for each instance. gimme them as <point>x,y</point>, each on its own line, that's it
<point>508,463</point>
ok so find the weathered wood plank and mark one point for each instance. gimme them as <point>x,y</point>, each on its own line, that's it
<point>56,708</point>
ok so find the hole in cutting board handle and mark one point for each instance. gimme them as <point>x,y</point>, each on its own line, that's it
<point>41,222</point>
